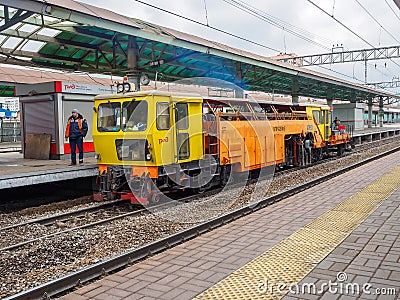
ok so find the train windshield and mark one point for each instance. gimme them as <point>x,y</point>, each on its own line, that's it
<point>109,117</point>
<point>134,115</point>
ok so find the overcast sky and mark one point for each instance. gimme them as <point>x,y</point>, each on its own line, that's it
<point>321,28</point>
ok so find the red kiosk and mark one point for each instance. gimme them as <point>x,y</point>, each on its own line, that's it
<point>45,108</point>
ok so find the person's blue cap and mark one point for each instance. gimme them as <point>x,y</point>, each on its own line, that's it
<point>75,111</point>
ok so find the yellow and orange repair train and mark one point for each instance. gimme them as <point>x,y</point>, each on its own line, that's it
<point>152,142</point>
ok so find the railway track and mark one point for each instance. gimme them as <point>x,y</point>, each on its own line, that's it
<point>95,270</point>
<point>88,225</point>
<point>101,214</point>
<point>26,232</point>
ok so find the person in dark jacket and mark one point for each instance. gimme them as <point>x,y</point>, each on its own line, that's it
<point>76,130</point>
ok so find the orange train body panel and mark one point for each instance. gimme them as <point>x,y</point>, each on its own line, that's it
<point>139,171</point>
<point>102,169</point>
<point>257,144</point>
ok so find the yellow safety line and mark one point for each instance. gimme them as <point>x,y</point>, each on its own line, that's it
<point>289,261</point>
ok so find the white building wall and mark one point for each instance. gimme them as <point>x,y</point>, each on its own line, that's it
<point>350,114</point>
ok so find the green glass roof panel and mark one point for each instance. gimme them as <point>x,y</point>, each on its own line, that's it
<point>6,91</point>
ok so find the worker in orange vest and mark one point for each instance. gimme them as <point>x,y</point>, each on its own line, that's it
<point>76,130</point>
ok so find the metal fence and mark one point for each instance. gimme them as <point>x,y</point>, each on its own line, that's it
<point>10,131</point>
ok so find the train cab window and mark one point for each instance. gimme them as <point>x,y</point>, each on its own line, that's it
<point>134,115</point>
<point>182,120</point>
<point>162,115</point>
<point>183,145</point>
<point>109,117</point>
<point>317,116</point>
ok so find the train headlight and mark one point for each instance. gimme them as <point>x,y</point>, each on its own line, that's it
<point>148,156</point>
<point>120,87</point>
<point>127,87</point>
<point>97,156</point>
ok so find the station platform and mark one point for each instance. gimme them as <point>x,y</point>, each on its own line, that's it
<point>10,147</point>
<point>376,133</point>
<point>15,171</point>
<point>334,237</point>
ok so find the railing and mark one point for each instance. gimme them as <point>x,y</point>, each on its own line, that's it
<point>10,130</point>
<point>350,129</point>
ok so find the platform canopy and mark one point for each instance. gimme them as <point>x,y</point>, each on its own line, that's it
<point>69,35</point>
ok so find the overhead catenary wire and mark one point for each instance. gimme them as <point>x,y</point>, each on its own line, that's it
<point>376,21</point>
<point>208,26</point>
<point>281,24</point>
<point>294,30</point>
<point>392,10</point>
<point>341,23</point>
<point>247,40</point>
<point>348,28</point>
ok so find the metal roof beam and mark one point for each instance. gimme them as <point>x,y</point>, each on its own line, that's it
<point>30,54</point>
<point>159,62</point>
<point>32,6</point>
<point>337,83</point>
<point>47,39</point>
<point>19,16</point>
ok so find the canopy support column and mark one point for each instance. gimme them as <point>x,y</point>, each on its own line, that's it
<point>295,90</point>
<point>239,80</point>
<point>329,102</point>
<point>381,111</point>
<point>369,112</point>
<point>133,71</point>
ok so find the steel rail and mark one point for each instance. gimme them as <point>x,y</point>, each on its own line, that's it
<point>86,274</point>
<point>60,217</point>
